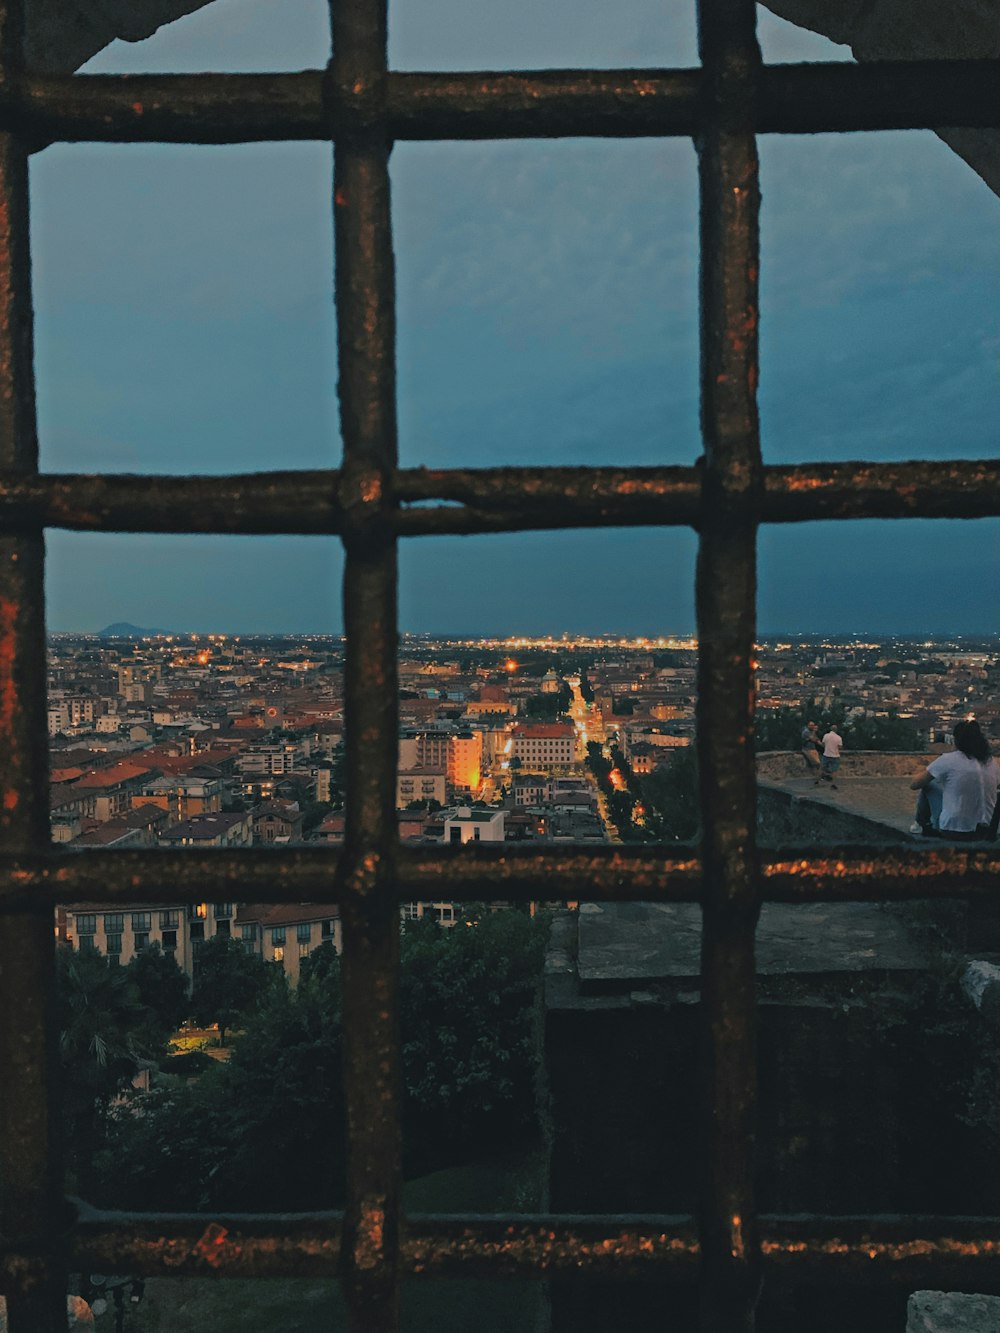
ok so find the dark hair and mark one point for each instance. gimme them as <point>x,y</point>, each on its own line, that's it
<point>971,741</point>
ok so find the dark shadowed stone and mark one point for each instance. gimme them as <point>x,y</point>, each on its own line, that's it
<point>914,30</point>
<point>643,942</point>
<point>63,34</point>
<point>952,1312</point>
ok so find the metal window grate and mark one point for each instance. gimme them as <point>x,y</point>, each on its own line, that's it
<point>362,107</point>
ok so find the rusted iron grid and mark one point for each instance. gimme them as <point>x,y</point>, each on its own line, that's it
<point>369,503</point>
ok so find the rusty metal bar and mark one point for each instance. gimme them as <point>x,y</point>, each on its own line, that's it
<point>639,873</point>
<point>485,104</point>
<point>492,499</point>
<point>863,1250</point>
<point>366,332</point>
<point>30,1155</point>
<point>726,610</point>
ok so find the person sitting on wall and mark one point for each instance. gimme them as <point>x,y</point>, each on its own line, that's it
<point>928,812</point>
<point>968,778</point>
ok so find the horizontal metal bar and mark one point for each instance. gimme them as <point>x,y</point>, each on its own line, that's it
<point>244,108</point>
<point>487,872</point>
<point>489,499</point>
<point>875,1250</point>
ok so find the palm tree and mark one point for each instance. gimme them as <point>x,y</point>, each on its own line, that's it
<point>99,1011</point>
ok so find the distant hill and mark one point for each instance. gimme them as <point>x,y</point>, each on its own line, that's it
<point>121,629</point>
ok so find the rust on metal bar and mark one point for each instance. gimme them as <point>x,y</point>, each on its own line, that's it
<point>37,882</point>
<point>366,334</point>
<point>489,104</point>
<point>492,499</point>
<point>863,1250</point>
<point>726,611</point>
<point>30,1154</point>
<point>196,1245</point>
<point>170,108</point>
<point>629,103</point>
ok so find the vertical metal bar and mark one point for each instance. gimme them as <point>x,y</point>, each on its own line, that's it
<point>726,590</point>
<point>365,293</point>
<point>30,1163</point>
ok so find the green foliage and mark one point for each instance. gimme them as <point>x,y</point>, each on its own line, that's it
<point>586,689</point>
<point>162,989</point>
<point>549,705</point>
<point>266,1129</point>
<point>884,733</point>
<point>228,982</point>
<point>670,797</point>
<point>99,1010</point>
<point>781,729</point>
<point>100,1017</point>
<point>470,1042</point>
<point>314,812</point>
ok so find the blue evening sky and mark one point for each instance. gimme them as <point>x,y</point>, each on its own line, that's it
<point>547,314</point>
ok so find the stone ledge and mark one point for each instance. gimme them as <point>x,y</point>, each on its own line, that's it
<point>952,1312</point>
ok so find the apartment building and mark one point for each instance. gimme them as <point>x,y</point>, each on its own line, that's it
<point>121,934</point>
<point>288,934</point>
<point>543,747</point>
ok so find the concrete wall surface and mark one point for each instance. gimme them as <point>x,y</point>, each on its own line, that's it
<point>952,1312</point>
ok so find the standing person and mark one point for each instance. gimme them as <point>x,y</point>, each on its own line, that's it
<point>968,778</point>
<point>811,746</point>
<point>830,762</point>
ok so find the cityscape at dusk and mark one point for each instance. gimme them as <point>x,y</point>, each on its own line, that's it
<point>499,666</point>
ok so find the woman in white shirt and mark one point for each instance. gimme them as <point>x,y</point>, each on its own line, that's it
<point>967,777</point>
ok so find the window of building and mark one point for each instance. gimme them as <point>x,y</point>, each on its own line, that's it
<point>142,921</point>
<point>168,920</point>
<point>114,946</point>
<point>141,940</point>
<point>303,948</point>
<point>114,924</point>
<point>249,933</point>
<point>168,941</point>
<point>223,911</point>
<point>86,924</point>
<point>328,929</point>
<point>197,930</point>
<point>223,929</point>
<point>279,953</point>
<point>303,931</point>
<point>277,935</point>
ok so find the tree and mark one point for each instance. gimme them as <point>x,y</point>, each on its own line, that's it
<point>100,1017</point>
<point>162,989</point>
<point>228,983</point>
<point>670,797</point>
<point>470,1041</point>
<point>470,1052</point>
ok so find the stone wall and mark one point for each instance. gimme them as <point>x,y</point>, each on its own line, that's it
<point>779,765</point>
<point>784,817</point>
